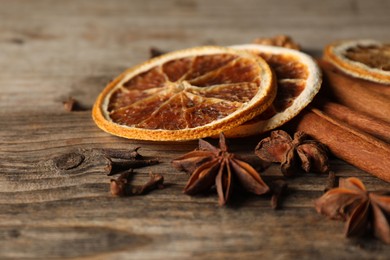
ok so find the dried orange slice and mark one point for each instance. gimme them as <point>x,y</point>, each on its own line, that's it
<point>187,94</point>
<point>366,59</point>
<point>298,79</point>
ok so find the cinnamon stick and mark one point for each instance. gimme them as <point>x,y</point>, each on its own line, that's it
<point>370,125</point>
<point>353,146</point>
<point>366,97</point>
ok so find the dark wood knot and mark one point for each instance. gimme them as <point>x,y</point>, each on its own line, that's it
<point>68,161</point>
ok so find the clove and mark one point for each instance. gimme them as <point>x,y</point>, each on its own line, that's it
<point>71,104</point>
<point>122,185</point>
<point>331,181</point>
<point>115,167</point>
<point>155,52</point>
<point>123,154</point>
<point>278,188</point>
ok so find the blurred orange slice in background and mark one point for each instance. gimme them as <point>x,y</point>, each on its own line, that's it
<point>365,59</point>
<point>298,80</point>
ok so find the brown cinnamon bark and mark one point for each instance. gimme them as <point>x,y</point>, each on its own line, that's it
<point>366,97</point>
<point>353,146</point>
<point>370,125</point>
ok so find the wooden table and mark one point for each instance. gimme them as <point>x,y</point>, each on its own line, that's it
<point>51,50</point>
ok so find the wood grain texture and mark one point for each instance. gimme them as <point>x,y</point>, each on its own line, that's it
<point>50,50</point>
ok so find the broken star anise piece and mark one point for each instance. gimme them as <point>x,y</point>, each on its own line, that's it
<point>211,166</point>
<point>363,211</point>
<point>309,155</point>
<point>279,40</point>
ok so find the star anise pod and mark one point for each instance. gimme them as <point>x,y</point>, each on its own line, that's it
<point>363,211</point>
<point>211,166</point>
<point>309,155</point>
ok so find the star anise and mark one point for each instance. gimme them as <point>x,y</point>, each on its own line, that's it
<point>211,166</point>
<point>363,211</point>
<point>279,147</point>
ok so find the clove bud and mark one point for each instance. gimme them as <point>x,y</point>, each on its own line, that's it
<point>115,167</point>
<point>122,185</point>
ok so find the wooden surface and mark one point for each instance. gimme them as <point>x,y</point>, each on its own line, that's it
<point>50,50</point>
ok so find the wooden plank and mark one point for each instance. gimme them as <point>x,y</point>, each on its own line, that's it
<point>50,50</point>
<point>76,47</point>
<point>74,207</point>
